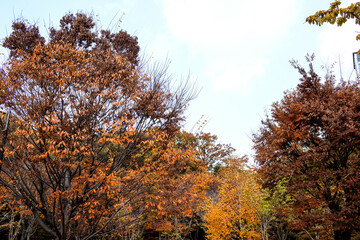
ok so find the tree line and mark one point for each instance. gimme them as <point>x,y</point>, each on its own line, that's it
<point>93,147</point>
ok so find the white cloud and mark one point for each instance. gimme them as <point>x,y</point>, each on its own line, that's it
<point>231,36</point>
<point>233,77</point>
<point>229,22</point>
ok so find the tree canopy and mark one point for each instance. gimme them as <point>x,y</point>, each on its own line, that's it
<point>311,140</point>
<point>92,132</point>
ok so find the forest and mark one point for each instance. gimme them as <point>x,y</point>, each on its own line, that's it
<point>93,147</point>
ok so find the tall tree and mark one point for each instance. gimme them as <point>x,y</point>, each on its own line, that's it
<point>84,112</point>
<point>311,139</point>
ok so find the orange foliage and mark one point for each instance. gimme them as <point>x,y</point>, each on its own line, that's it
<point>91,146</point>
<point>177,183</point>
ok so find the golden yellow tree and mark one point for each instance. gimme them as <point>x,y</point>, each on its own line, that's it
<point>233,211</point>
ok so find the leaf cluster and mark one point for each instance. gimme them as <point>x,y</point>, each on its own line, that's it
<point>336,15</point>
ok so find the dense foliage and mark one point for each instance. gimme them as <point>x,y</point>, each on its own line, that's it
<point>311,140</point>
<point>92,148</point>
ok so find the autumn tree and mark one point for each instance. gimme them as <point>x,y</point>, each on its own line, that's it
<point>233,212</point>
<point>311,140</point>
<point>271,222</point>
<point>86,116</point>
<point>177,192</point>
<point>207,148</point>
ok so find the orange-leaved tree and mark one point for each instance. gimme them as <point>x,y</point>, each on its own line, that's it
<point>207,148</point>
<point>84,112</point>
<point>178,182</point>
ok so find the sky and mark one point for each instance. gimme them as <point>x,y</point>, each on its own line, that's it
<point>236,52</point>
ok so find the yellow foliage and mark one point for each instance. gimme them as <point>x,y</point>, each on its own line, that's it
<point>233,212</point>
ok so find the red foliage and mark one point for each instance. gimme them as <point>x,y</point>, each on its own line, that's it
<point>312,139</point>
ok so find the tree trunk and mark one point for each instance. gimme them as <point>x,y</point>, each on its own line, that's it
<point>342,235</point>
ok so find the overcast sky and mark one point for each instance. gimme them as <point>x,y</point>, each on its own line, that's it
<point>237,52</point>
